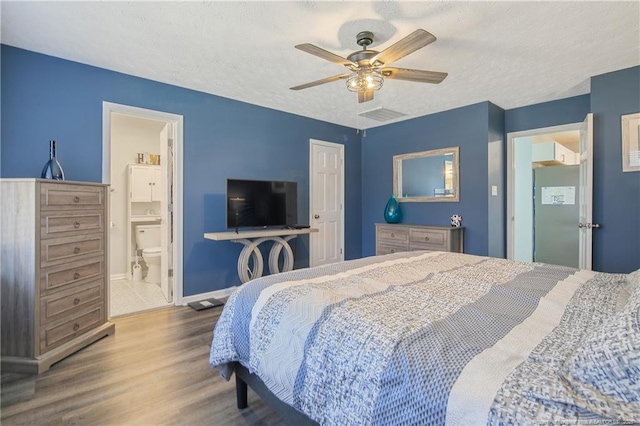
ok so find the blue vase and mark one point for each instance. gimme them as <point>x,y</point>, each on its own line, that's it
<point>392,212</point>
<point>52,169</point>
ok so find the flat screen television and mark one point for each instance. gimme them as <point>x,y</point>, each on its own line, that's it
<point>261,203</point>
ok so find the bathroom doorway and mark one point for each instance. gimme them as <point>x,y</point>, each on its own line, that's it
<point>140,156</point>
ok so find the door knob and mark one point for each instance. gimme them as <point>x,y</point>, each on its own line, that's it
<point>316,216</point>
<point>581,225</point>
<point>595,225</point>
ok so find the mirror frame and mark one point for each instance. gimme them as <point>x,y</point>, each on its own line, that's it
<point>432,153</point>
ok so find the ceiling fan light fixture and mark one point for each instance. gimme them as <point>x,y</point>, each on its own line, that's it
<point>364,80</point>
<point>366,73</point>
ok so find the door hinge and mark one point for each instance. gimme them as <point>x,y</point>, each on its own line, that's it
<point>170,143</point>
<point>340,251</point>
<point>170,271</point>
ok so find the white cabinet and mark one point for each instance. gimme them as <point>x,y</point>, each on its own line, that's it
<point>552,153</point>
<point>156,184</point>
<point>145,202</point>
<point>145,183</point>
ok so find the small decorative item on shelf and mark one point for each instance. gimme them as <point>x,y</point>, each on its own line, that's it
<point>53,169</point>
<point>392,212</point>
<point>456,220</point>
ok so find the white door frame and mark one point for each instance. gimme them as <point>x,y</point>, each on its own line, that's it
<point>340,147</point>
<point>177,121</point>
<point>511,171</point>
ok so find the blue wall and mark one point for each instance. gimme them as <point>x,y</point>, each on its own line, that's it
<point>547,114</point>
<point>616,195</point>
<point>496,177</point>
<point>47,98</point>
<point>465,127</point>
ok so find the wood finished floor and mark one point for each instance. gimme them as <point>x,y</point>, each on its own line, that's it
<point>153,371</point>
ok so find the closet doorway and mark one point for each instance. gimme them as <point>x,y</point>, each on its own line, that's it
<point>142,164</point>
<point>326,200</point>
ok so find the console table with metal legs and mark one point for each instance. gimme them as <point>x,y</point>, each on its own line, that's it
<point>252,239</point>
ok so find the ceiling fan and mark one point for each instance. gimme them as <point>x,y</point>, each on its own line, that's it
<point>369,68</point>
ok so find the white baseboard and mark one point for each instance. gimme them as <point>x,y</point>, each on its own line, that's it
<point>115,277</point>
<point>218,294</point>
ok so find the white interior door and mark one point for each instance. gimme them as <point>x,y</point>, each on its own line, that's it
<point>166,180</point>
<point>326,202</point>
<point>586,193</point>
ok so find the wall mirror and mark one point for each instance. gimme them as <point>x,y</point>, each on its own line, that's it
<point>427,176</point>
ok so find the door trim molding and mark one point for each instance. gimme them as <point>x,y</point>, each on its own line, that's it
<point>178,175</point>
<point>511,171</point>
<point>340,147</point>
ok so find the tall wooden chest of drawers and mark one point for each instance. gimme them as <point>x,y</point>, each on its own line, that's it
<point>54,270</point>
<point>392,238</point>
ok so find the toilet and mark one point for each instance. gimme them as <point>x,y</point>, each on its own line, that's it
<point>148,240</point>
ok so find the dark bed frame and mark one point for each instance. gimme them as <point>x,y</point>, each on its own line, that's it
<point>289,414</point>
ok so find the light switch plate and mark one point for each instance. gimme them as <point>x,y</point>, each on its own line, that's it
<point>494,190</point>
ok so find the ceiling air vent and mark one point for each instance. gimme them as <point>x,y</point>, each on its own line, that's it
<point>381,114</point>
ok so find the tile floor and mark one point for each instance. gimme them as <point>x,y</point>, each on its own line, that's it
<point>128,296</point>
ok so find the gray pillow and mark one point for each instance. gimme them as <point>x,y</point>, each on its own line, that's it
<point>625,292</point>
<point>603,372</point>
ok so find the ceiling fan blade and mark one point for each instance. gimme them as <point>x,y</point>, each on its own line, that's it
<point>414,75</point>
<point>319,82</point>
<point>414,41</point>
<point>365,96</point>
<point>325,54</point>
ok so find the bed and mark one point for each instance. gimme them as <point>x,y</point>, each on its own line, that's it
<point>436,338</point>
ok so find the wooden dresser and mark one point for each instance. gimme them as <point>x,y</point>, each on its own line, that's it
<point>392,238</point>
<point>54,270</point>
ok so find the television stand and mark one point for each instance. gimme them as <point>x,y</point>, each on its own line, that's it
<point>252,239</point>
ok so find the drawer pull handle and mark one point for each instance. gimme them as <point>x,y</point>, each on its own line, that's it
<point>393,235</point>
<point>76,301</point>
<point>76,199</point>
<point>76,326</point>
<point>76,250</point>
<point>426,238</point>
<point>76,225</point>
<point>76,275</point>
<point>393,251</point>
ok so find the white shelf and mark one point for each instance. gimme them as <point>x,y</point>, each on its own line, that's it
<point>146,218</point>
<point>232,235</point>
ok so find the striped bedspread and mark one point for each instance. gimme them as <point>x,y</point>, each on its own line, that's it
<point>415,338</point>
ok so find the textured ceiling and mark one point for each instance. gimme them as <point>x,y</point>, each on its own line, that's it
<point>510,53</point>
